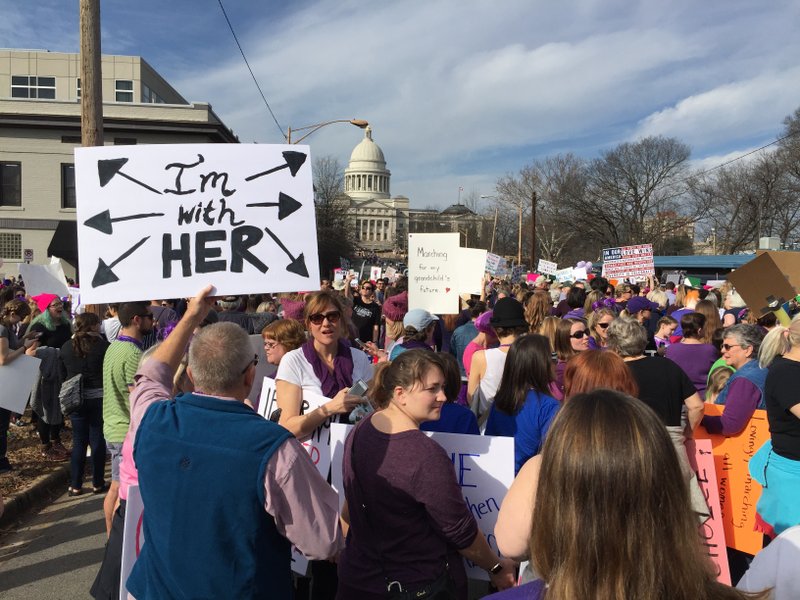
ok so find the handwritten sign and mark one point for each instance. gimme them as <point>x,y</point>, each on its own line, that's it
<point>517,271</point>
<point>628,261</point>
<point>433,277</point>
<point>738,492</point>
<point>546,267</point>
<point>471,267</point>
<point>162,221</point>
<point>563,275</point>
<point>16,382</point>
<point>374,273</point>
<point>484,468</point>
<point>132,537</point>
<point>712,531</point>
<point>493,263</point>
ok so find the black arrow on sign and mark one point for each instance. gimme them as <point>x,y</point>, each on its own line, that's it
<point>104,274</point>
<point>286,205</point>
<point>298,265</point>
<point>108,168</point>
<point>294,160</point>
<point>104,223</point>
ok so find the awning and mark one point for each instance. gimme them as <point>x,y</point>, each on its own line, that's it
<point>64,244</point>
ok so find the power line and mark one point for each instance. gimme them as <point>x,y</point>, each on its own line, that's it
<point>264,98</point>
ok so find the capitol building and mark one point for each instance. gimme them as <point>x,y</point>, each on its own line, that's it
<point>382,222</point>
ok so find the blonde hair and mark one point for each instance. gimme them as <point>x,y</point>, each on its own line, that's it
<point>548,329</point>
<point>716,382</point>
<point>778,342</point>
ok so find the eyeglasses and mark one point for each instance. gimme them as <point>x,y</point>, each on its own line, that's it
<point>578,335</point>
<point>270,344</point>
<point>727,347</point>
<point>253,363</point>
<point>603,325</point>
<point>333,317</point>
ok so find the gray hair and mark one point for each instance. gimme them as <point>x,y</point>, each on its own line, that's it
<point>218,355</point>
<point>659,298</point>
<point>627,337</point>
<point>746,335</point>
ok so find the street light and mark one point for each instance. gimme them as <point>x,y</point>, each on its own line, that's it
<point>360,123</point>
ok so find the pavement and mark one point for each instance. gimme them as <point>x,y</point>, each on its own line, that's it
<point>54,553</point>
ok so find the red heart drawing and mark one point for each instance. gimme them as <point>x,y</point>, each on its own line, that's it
<point>446,290</point>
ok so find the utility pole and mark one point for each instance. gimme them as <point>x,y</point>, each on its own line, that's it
<point>519,236</point>
<point>494,229</point>
<point>91,76</point>
<point>533,230</point>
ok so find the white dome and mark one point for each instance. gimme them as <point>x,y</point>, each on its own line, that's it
<point>368,151</point>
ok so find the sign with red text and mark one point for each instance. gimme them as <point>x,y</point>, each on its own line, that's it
<point>162,221</point>
<point>738,492</point>
<point>712,531</point>
<point>484,469</point>
<point>628,261</point>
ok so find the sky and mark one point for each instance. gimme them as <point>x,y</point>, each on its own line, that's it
<point>459,92</point>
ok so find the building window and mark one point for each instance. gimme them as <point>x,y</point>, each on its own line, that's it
<point>10,184</point>
<point>78,88</point>
<point>149,96</point>
<point>11,246</point>
<point>67,185</point>
<point>124,90</point>
<point>30,86</point>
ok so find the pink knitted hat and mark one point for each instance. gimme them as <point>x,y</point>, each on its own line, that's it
<point>44,300</point>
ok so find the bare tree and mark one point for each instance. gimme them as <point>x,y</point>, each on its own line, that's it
<point>335,235</point>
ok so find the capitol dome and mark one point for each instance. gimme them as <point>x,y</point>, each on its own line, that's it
<point>366,176</point>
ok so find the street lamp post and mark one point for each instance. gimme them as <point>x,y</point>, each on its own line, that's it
<point>360,123</point>
<point>533,230</point>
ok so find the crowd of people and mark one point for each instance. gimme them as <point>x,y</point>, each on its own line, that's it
<point>599,385</point>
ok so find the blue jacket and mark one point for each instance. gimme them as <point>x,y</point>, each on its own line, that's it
<point>201,465</point>
<point>754,374</point>
<point>454,419</point>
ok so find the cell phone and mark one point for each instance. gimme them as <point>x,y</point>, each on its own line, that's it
<point>359,388</point>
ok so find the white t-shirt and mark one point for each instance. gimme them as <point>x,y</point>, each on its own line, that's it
<point>776,567</point>
<point>295,369</point>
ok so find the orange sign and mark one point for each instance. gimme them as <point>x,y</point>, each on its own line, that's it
<point>738,492</point>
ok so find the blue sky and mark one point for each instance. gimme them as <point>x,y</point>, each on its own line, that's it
<point>460,93</point>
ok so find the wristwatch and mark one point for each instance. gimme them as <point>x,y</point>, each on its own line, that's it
<point>495,569</point>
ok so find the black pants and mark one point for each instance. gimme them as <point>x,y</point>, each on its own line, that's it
<point>87,430</point>
<point>5,419</point>
<point>106,584</point>
<point>48,433</point>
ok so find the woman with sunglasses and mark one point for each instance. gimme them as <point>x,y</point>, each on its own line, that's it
<point>599,321</point>
<point>572,337</point>
<point>744,392</point>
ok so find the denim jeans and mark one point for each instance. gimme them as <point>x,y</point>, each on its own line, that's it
<point>87,430</point>
<point>5,419</point>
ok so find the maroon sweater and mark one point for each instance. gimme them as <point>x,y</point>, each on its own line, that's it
<point>417,514</point>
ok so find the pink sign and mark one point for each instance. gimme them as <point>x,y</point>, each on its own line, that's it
<point>712,531</point>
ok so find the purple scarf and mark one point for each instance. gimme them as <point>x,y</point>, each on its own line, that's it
<point>413,344</point>
<point>342,375</point>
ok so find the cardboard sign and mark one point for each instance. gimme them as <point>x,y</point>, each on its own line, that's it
<point>471,268</point>
<point>760,282</point>
<point>712,531</point>
<point>433,277</point>
<point>163,221</point>
<point>738,492</point>
<point>484,467</point>
<point>546,267</point>
<point>132,537</point>
<point>44,279</point>
<point>628,261</point>
<point>16,382</point>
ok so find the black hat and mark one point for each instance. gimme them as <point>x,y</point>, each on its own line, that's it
<point>508,313</point>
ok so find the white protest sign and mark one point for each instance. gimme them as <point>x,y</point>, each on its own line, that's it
<point>44,279</point>
<point>628,261</point>
<point>162,221</point>
<point>267,403</point>
<point>391,273</point>
<point>493,262</point>
<point>16,382</point>
<point>433,277</point>
<point>374,273</point>
<point>563,275</point>
<point>579,273</point>
<point>471,268</point>
<point>517,271</point>
<point>338,275</point>
<point>132,537</point>
<point>484,467</point>
<point>547,267</point>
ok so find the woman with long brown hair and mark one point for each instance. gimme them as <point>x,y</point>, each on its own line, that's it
<point>537,307</point>
<point>83,355</point>
<point>610,511</point>
<point>572,337</point>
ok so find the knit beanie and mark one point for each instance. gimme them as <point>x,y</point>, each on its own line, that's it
<point>44,300</point>
<point>396,307</point>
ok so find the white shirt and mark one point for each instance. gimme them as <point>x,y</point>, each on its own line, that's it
<point>295,369</point>
<point>776,566</point>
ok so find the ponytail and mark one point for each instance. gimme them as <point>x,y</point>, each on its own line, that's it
<point>776,343</point>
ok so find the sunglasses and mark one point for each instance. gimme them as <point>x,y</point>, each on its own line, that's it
<point>253,363</point>
<point>369,288</point>
<point>578,335</point>
<point>603,325</point>
<point>333,317</point>
<point>727,347</point>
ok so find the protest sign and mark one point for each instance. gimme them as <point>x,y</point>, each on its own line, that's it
<point>579,273</point>
<point>563,275</point>
<point>433,277</point>
<point>163,221</point>
<point>338,274</point>
<point>517,271</point>
<point>391,273</point>
<point>374,273</point>
<point>267,403</point>
<point>132,537</point>
<point>762,284</point>
<point>44,279</point>
<point>16,380</point>
<point>493,262</point>
<point>738,492</point>
<point>471,268</point>
<point>712,531</point>
<point>628,261</point>
<point>546,267</point>
<point>484,468</point>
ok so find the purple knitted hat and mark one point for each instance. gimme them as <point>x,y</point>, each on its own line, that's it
<point>293,309</point>
<point>482,322</point>
<point>396,307</point>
